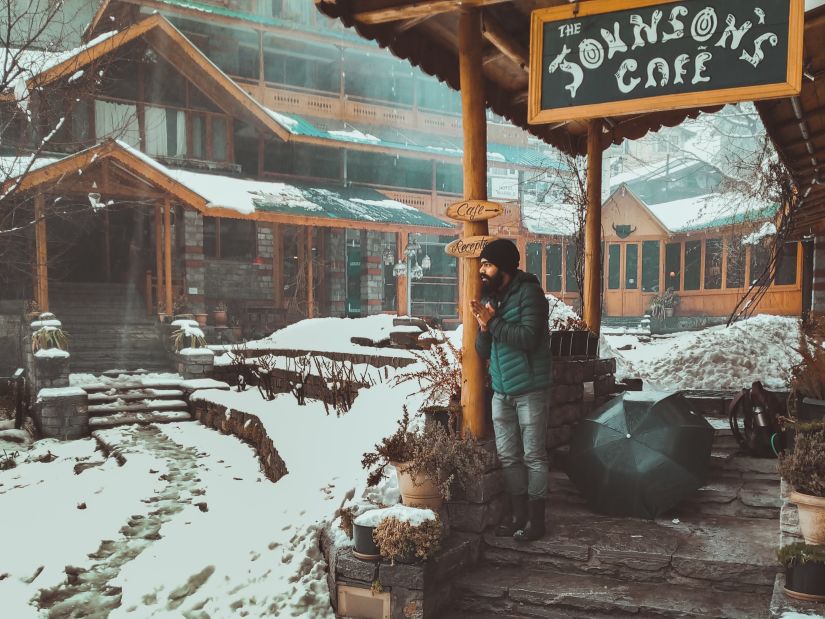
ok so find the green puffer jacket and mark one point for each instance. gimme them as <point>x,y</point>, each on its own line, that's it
<point>517,341</point>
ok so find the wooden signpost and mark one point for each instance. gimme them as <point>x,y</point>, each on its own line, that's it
<point>474,210</point>
<point>617,57</point>
<point>468,247</point>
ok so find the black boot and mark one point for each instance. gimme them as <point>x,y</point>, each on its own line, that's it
<point>516,519</point>
<point>535,525</point>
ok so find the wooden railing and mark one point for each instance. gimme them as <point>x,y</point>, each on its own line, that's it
<point>153,295</point>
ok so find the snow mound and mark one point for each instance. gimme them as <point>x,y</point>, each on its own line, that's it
<point>413,515</point>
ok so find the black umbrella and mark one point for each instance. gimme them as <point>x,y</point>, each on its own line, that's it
<point>640,454</point>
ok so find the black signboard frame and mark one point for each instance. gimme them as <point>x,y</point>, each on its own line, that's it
<point>606,102</point>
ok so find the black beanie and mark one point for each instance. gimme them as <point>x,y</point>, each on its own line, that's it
<point>502,253</point>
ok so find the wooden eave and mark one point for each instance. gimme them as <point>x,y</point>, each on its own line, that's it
<point>797,128</point>
<point>111,153</point>
<point>430,42</point>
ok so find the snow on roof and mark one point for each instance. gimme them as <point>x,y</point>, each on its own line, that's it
<point>553,219</point>
<point>652,170</point>
<point>709,211</point>
<point>13,166</point>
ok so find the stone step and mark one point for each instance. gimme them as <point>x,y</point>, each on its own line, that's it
<point>129,385</point>
<point>512,592</point>
<point>120,419</point>
<point>115,407</point>
<point>719,552</point>
<point>102,397</point>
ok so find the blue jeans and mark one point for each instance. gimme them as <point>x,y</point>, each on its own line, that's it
<point>520,426</point>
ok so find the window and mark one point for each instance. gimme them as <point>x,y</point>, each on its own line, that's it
<point>760,259</point>
<point>553,268</point>
<point>219,139</point>
<point>614,259</point>
<point>631,260</point>
<point>713,264</point>
<point>449,178</point>
<point>693,265</point>
<point>533,260</point>
<point>198,149</point>
<point>230,239</point>
<point>390,289</point>
<point>304,65</point>
<point>202,147</point>
<point>786,267</point>
<point>735,275</point>
<point>673,265</point>
<point>165,132</point>
<point>571,284</point>
<point>117,120</point>
<point>435,295</point>
<point>650,266</point>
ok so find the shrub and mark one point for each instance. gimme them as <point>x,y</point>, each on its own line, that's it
<point>435,453</point>
<point>400,539</point>
<point>49,337</point>
<point>188,337</point>
<point>440,378</point>
<point>801,553</point>
<point>804,467</point>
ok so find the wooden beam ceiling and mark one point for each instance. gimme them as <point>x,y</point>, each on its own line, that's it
<point>497,35</point>
<point>382,11</point>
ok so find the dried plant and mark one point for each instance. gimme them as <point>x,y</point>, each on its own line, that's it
<point>398,539</point>
<point>299,367</point>
<point>569,323</point>
<point>342,383</point>
<point>394,448</point>
<point>804,467</point>
<point>440,377</point>
<point>348,516</point>
<point>808,376</point>
<point>801,553</point>
<point>188,337</point>
<point>49,337</point>
<point>8,460</point>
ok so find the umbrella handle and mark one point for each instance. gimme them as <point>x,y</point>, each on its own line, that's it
<point>773,446</point>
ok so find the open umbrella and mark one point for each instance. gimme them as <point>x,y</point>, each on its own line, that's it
<point>640,454</point>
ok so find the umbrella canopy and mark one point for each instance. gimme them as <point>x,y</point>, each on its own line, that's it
<point>640,454</point>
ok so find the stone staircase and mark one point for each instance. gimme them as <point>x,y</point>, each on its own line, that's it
<point>117,399</point>
<point>108,327</point>
<point>714,556</point>
<point>628,322</point>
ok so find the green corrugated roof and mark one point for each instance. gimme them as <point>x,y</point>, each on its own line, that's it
<point>351,203</point>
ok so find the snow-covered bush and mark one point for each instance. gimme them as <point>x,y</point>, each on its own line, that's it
<point>47,337</point>
<point>188,337</point>
<point>406,538</point>
<point>804,467</point>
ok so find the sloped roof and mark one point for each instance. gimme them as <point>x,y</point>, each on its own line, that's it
<point>221,196</point>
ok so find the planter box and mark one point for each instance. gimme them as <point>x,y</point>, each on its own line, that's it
<point>574,344</point>
<point>809,409</point>
<point>805,582</point>
<point>364,545</point>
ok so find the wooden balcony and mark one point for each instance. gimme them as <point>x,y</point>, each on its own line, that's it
<point>324,105</point>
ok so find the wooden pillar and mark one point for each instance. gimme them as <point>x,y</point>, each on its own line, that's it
<point>310,275</point>
<point>159,257</point>
<point>167,254</point>
<point>277,267</point>
<point>42,256</point>
<point>475,188</point>
<point>400,283</point>
<point>591,295</point>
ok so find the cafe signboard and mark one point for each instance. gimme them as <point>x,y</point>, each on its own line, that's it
<point>468,247</point>
<point>618,57</point>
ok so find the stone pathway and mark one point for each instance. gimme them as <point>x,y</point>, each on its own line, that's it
<point>85,592</point>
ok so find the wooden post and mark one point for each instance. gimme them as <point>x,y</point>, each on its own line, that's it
<point>310,275</point>
<point>42,284</point>
<point>167,254</point>
<point>475,188</point>
<point>158,257</point>
<point>277,267</point>
<point>591,295</point>
<point>400,288</point>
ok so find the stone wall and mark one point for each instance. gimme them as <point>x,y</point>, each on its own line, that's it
<point>244,426</point>
<point>373,245</point>
<point>239,279</point>
<point>11,329</point>
<point>195,363</point>
<point>62,413</point>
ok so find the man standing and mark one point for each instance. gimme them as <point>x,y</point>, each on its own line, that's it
<point>513,319</point>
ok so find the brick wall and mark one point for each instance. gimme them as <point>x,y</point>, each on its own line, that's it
<point>373,245</point>
<point>336,280</point>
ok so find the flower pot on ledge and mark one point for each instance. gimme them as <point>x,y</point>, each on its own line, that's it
<point>219,318</point>
<point>811,516</point>
<point>417,490</point>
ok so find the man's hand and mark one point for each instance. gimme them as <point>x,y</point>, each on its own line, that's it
<point>483,313</point>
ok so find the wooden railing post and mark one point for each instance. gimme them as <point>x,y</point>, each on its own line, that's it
<point>167,258</point>
<point>591,294</point>
<point>42,270</point>
<point>158,257</point>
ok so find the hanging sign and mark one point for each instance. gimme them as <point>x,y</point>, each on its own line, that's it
<point>618,57</point>
<point>469,247</point>
<point>474,210</point>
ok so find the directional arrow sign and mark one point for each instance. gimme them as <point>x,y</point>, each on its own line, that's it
<point>469,247</point>
<point>474,210</point>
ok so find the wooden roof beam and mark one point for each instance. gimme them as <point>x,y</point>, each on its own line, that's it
<point>495,33</point>
<point>383,12</point>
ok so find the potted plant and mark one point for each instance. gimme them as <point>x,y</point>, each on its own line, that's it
<point>804,469</point>
<point>49,338</point>
<point>804,571</point>
<point>807,396</point>
<point>405,534</point>
<point>663,306</point>
<point>427,462</point>
<point>571,337</point>
<point>188,337</point>
<point>237,331</point>
<point>219,316</point>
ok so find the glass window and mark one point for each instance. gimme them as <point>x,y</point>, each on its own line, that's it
<point>631,261</point>
<point>713,264</point>
<point>614,259</point>
<point>198,136</point>
<point>390,288</point>
<point>673,265</point>
<point>650,266</point>
<point>210,237</point>
<point>735,275</point>
<point>237,239</point>
<point>219,150</point>
<point>786,267</point>
<point>760,259</point>
<point>118,121</point>
<point>435,295</point>
<point>571,284</point>
<point>533,261</point>
<point>693,265</point>
<point>553,268</point>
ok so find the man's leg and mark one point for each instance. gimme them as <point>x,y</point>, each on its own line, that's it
<point>510,454</point>
<point>532,419</point>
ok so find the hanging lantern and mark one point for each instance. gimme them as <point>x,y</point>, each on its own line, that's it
<point>413,247</point>
<point>389,256</point>
<point>417,272</point>
<point>399,270</point>
<point>426,262</point>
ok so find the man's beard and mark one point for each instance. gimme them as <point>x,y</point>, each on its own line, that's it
<point>491,285</point>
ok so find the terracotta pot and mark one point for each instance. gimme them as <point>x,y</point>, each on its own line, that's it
<point>237,332</point>
<point>201,318</point>
<point>811,516</point>
<point>417,491</point>
<point>219,318</point>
